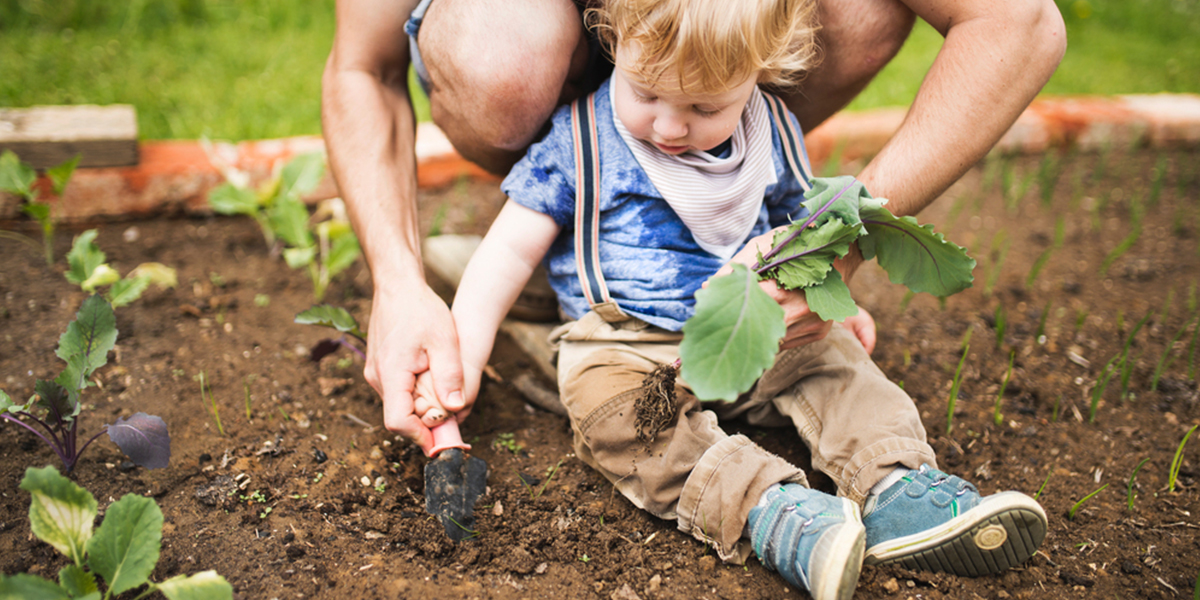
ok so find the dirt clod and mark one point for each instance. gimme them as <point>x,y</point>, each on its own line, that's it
<point>656,406</point>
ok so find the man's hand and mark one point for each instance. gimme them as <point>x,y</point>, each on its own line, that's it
<point>413,333</point>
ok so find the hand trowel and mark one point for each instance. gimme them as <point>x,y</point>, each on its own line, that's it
<point>453,481</point>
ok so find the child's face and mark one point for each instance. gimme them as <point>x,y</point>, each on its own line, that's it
<point>672,120</point>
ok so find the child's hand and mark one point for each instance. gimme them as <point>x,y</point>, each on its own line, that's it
<point>803,325</point>
<point>862,326</point>
<point>425,403</point>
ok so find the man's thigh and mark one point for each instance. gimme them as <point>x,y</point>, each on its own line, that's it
<point>498,69</point>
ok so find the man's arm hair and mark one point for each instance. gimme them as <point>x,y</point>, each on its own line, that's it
<point>369,129</point>
<point>997,56</point>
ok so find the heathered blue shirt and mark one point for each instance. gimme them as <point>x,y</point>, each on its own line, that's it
<point>650,261</point>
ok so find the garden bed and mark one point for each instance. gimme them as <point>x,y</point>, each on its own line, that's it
<point>302,493</point>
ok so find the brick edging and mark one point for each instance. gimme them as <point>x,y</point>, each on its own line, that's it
<point>175,176</point>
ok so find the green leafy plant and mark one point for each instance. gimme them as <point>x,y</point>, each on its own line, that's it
<point>734,335</point>
<point>122,551</point>
<point>55,407</point>
<point>326,249</point>
<point>90,272</point>
<point>17,177</point>
<point>1130,494</point>
<point>324,244</point>
<point>325,315</point>
<point>290,181</point>
<point>1177,462</point>
<point>1075,507</point>
<point>997,417</point>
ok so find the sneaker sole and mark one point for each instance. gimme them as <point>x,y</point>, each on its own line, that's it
<point>999,534</point>
<point>846,549</point>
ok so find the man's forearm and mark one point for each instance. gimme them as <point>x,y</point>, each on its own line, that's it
<point>991,66</point>
<point>369,133</point>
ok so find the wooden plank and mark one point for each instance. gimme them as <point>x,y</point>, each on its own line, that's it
<point>44,136</point>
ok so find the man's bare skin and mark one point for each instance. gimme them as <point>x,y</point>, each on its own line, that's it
<point>499,69</point>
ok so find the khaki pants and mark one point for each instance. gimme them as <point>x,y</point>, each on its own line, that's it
<point>858,425</point>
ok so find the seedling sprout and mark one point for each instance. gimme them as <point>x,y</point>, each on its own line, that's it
<point>1075,508</point>
<point>1043,487</point>
<point>1040,262</point>
<point>1001,319</point>
<point>997,417</point>
<point>207,398</point>
<point>1177,462</point>
<point>1130,494</point>
<point>1164,360</point>
<point>954,389</point>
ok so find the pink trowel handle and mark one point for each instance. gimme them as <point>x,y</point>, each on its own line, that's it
<point>446,436</point>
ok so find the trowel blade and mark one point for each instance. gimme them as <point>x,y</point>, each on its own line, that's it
<point>453,482</point>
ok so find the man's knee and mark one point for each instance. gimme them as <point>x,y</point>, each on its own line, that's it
<point>497,72</point>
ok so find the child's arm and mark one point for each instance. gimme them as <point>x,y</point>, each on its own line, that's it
<point>500,267</point>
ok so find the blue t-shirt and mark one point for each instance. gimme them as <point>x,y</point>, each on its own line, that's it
<point>650,261</point>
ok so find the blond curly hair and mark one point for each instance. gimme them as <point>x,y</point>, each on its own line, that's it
<point>712,45</point>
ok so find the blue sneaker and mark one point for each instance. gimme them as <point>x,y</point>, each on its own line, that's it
<point>813,539</point>
<point>937,522</point>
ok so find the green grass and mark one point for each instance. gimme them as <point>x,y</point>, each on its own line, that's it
<point>248,69</point>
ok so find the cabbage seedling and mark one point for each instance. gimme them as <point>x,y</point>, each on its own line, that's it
<point>734,335</point>
<point>17,178</point>
<point>122,551</point>
<point>55,407</point>
<point>337,318</point>
<point>90,272</point>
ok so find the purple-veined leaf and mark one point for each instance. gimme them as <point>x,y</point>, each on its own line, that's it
<point>143,438</point>
<point>914,255</point>
<point>56,399</point>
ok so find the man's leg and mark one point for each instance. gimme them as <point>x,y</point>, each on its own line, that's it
<point>498,70</point>
<point>857,38</point>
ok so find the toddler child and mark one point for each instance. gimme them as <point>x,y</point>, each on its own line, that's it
<point>636,196</point>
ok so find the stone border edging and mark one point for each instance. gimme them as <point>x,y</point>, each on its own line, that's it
<point>174,177</point>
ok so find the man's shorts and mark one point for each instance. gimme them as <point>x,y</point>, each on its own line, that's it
<point>598,69</point>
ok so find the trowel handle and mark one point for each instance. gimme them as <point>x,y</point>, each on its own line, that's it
<point>446,436</point>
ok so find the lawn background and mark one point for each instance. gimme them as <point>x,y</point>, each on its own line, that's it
<point>250,69</point>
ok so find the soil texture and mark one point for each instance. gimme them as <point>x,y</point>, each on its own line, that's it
<point>300,492</point>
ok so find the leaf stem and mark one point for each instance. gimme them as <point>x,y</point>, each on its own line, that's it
<point>53,446</point>
<point>809,221</point>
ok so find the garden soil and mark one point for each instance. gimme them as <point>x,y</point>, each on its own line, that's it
<point>292,488</point>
